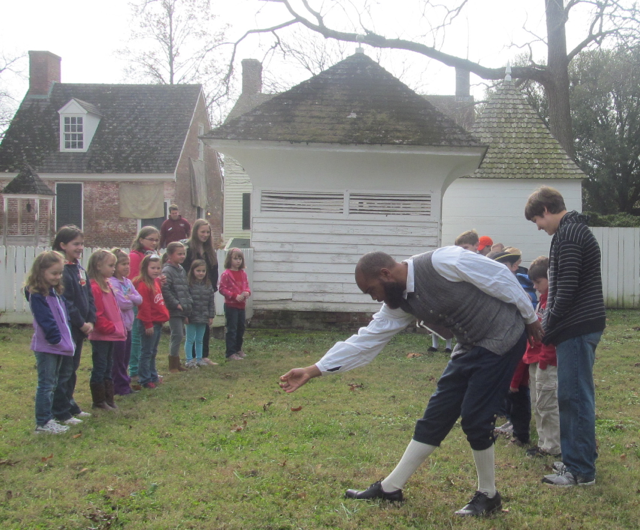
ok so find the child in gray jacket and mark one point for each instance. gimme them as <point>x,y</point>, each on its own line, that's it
<point>175,291</point>
<point>202,313</point>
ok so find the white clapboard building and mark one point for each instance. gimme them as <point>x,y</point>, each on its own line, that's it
<point>347,162</point>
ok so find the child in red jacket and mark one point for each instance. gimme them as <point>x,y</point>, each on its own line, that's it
<point>234,286</point>
<point>152,313</point>
<point>108,329</point>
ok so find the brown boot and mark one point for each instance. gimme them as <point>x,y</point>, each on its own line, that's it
<point>174,365</point>
<point>108,394</point>
<point>98,396</point>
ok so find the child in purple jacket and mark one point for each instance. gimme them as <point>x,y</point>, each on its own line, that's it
<point>52,340</point>
<point>127,297</point>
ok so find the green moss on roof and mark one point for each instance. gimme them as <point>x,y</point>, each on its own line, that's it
<point>520,145</point>
<point>355,101</point>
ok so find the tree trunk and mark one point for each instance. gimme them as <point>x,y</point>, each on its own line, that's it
<point>557,81</point>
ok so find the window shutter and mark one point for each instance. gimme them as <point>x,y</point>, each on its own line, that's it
<point>246,211</point>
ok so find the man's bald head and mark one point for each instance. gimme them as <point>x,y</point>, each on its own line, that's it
<point>372,263</point>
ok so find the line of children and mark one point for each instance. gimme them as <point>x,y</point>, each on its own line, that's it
<point>202,313</point>
<point>175,290</point>
<point>234,286</point>
<point>108,297</point>
<point>128,299</point>
<point>109,328</point>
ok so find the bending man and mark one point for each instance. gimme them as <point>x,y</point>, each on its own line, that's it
<point>456,293</point>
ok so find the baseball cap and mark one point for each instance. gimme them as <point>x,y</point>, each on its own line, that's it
<point>484,241</point>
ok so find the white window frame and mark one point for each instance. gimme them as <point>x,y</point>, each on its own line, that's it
<point>64,133</point>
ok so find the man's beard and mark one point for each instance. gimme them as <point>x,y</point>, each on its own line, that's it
<point>393,294</point>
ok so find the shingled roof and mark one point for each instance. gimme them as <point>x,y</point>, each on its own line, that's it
<point>142,129</point>
<point>355,101</point>
<point>27,182</point>
<point>520,145</point>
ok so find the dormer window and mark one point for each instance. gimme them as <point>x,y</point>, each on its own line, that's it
<point>73,132</point>
<point>79,122</point>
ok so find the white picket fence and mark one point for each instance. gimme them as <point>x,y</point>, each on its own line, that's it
<point>15,263</point>
<point>620,273</point>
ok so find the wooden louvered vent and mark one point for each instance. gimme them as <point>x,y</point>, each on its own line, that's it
<point>375,204</point>
<point>302,201</point>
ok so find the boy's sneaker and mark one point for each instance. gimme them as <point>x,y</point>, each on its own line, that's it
<point>566,479</point>
<point>241,354</point>
<point>505,428</point>
<point>559,467</point>
<point>149,385</point>
<point>192,363</point>
<point>234,357</point>
<point>72,421</point>
<point>51,427</point>
<point>83,414</point>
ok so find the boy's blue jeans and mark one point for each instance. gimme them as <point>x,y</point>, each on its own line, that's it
<point>577,404</point>
<point>147,372</point>
<point>48,365</point>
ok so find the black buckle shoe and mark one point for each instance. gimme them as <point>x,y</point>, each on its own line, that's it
<point>375,491</point>
<point>482,505</point>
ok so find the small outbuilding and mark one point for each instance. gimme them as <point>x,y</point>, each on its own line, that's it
<point>347,162</point>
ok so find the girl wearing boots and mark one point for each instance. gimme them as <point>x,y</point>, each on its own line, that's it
<point>175,291</point>
<point>152,313</point>
<point>109,328</point>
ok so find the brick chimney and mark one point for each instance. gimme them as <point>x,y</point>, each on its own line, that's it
<point>463,83</point>
<point>251,77</point>
<point>44,70</point>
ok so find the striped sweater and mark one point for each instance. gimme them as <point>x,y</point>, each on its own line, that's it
<point>576,305</point>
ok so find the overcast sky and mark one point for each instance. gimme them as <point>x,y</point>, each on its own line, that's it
<point>87,33</point>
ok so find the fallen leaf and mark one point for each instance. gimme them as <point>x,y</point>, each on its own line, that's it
<point>237,428</point>
<point>352,434</point>
<point>8,495</point>
<point>7,462</point>
<point>623,456</point>
<point>229,396</point>
<point>413,355</point>
<point>353,386</point>
<point>302,495</point>
<point>284,463</point>
<point>83,470</point>
<point>296,409</point>
<point>267,405</point>
<point>45,458</point>
<point>202,398</point>
<point>77,435</point>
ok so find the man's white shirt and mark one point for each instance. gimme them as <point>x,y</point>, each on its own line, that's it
<point>452,263</point>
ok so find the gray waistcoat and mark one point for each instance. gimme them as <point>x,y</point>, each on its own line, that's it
<point>474,318</point>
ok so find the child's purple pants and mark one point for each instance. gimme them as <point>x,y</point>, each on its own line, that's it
<point>121,354</point>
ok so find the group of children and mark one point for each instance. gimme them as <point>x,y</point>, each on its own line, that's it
<point>535,380</point>
<point>120,303</point>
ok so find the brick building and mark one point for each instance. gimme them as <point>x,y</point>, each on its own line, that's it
<point>115,155</point>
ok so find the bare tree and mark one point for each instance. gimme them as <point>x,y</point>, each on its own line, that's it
<point>9,68</point>
<point>177,42</point>
<point>609,19</point>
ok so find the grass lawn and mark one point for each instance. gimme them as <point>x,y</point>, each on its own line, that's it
<point>224,448</point>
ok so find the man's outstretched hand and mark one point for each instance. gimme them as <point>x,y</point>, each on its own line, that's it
<point>294,379</point>
<point>535,332</point>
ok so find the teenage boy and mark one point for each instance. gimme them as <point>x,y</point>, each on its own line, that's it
<point>574,322</point>
<point>484,245</point>
<point>175,228</point>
